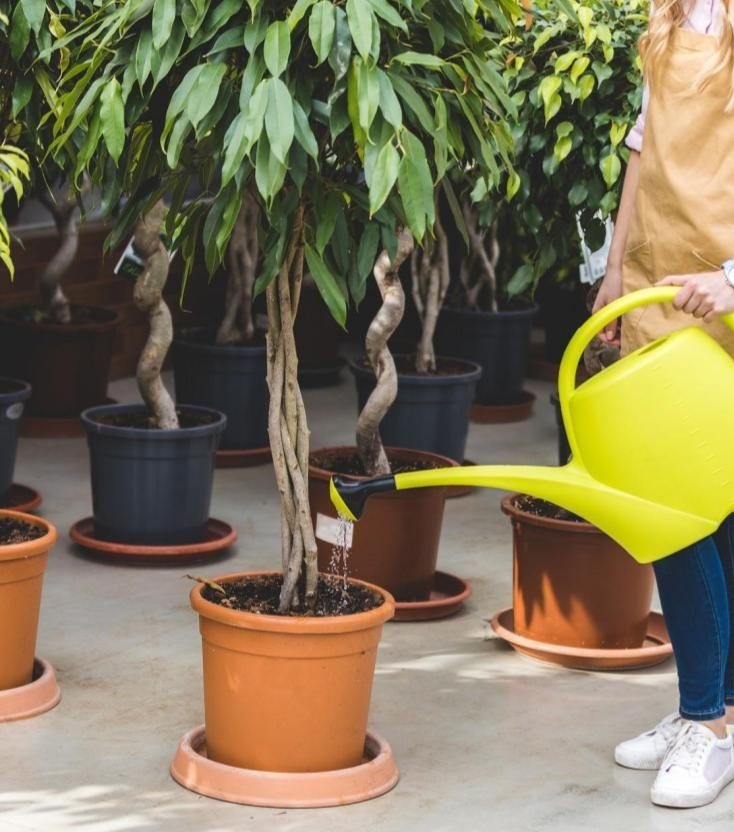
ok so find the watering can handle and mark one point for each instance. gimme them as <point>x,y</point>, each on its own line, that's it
<point>585,334</point>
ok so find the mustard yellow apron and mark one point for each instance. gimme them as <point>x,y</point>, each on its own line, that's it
<point>683,221</point>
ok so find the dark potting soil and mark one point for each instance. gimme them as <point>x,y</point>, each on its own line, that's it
<point>542,508</point>
<point>80,315</point>
<point>18,531</point>
<point>351,464</point>
<point>142,421</point>
<point>405,365</point>
<point>261,595</point>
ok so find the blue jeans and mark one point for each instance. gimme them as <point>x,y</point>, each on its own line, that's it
<point>696,588</point>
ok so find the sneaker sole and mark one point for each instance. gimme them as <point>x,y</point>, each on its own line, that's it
<point>637,766</point>
<point>691,801</point>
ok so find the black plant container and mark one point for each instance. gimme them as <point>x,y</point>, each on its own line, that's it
<point>231,379</point>
<point>13,394</point>
<point>431,413</point>
<point>498,341</point>
<point>151,487</point>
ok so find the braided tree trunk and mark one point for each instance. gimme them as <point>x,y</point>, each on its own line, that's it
<point>431,275</point>
<point>65,214</point>
<point>387,320</point>
<point>288,430</point>
<point>478,273</point>
<point>148,297</point>
<point>237,326</point>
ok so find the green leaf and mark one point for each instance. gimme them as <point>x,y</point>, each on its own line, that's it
<point>363,91</point>
<point>277,47</point>
<point>321,26</point>
<point>20,32</point>
<point>327,284</point>
<point>578,194</point>
<point>611,168</point>
<point>585,16</point>
<point>383,177</point>
<point>329,212</point>
<point>416,186</point>
<point>521,281</point>
<point>580,65</point>
<point>162,61</point>
<point>367,250</point>
<point>565,128</point>
<point>419,59</point>
<point>549,88</point>
<point>586,86</point>
<point>112,117</point>
<point>205,91</point>
<point>269,172</point>
<point>279,123</point>
<point>360,17</point>
<point>563,62</point>
<point>303,131</point>
<point>513,185</point>
<point>22,92</point>
<point>164,15</point>
<point>563,147</point>
<point>384,10</point>
<point>143,56</point>
<point>298,12</point>
<point>389,103</point>
<point>340,55</point>
<point>255,33</point>
<point>34,11</point>
<point>617,132</point>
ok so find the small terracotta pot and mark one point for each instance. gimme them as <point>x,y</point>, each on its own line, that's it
<point>395,543</point>
<point>575,586</point>
<point>21,579</point>
<point>287,693</point>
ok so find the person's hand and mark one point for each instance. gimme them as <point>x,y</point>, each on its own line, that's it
<point>706,295</point>
<point>610,290</point>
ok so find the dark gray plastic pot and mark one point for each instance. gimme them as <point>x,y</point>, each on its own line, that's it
<point>13,394</point>
<point>431,413</point>
<point>151,487</point>
<point>498,341</point>
<point>231,379</point>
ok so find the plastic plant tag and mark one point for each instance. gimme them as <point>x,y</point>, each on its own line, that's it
<point>131,264</point>
<point>331,530</point>
<point>594,264</point>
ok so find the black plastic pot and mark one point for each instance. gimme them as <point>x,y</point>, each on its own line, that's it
<point>231,379</point>
<point>151,487</point>
<point>13,394</point>
<point>498,341</point>
<point>431,413</point>
<point>562,311</point>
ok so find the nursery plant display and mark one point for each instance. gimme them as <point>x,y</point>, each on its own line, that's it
<point>329,113</point>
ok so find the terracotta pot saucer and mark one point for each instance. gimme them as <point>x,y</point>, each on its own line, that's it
<point>494,414</point>
<point>220,537</point>
<point>22,498</point>
<point>656,648</point>
<point>454,491</point>
<point>284,790</point>
<point>447,597</point>
<point>37,697</point>
<point>245,458</point>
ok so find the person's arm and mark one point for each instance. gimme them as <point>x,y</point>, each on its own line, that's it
<point>611,287</point>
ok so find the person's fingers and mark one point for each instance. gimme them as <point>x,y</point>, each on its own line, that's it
<point>673,280</point>
<point>683,297</point>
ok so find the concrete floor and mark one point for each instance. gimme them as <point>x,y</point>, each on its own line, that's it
<point>484,738</point>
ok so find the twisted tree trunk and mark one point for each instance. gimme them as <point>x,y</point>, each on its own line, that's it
<point>65,214</point>
<point>237,326</point>
<point>431,275</point>
<point>387,320</point>
<point>148,297</point>
<point>479,270</point>
<point>288,430</point>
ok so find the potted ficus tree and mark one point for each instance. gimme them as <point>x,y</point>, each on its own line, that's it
<point>62,350</point>
<point>296,104</point>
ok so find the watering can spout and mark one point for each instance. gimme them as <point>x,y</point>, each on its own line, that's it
<point>647,530</point>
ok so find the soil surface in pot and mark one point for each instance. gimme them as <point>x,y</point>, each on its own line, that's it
<point>261,595</point>
<point>405,365</point>
<point>18,531</point>
<point>79,315</point>
<point>142,421</point>
<point>542,508</point>
<point>351,464</point>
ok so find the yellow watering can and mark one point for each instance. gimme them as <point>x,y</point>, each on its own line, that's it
<point>651,437</point>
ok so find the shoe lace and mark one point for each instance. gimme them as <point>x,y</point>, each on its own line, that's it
<point>688,750</point>
<point>669,728</point>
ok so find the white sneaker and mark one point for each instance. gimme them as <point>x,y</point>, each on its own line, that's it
<point>695,769</point>
<point>648,750</point>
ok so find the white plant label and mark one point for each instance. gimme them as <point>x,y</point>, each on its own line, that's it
<point>331,529</point>
<point>14,411</point>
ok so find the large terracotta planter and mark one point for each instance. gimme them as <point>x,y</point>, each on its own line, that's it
<point>21,580</point>
<point>395,543</point>
<point>575,586</point>
<point>67,365</point>
<point>287,693</point>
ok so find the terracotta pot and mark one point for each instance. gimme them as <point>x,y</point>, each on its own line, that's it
<point>285,693</point>
<point>21,579</point>
<point>67,365</point>
<point>575,586</point>
<point>395,544</point>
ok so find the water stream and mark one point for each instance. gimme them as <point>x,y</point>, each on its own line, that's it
<point>340,551</point>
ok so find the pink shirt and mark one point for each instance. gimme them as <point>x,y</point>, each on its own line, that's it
<point>705,16</point>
